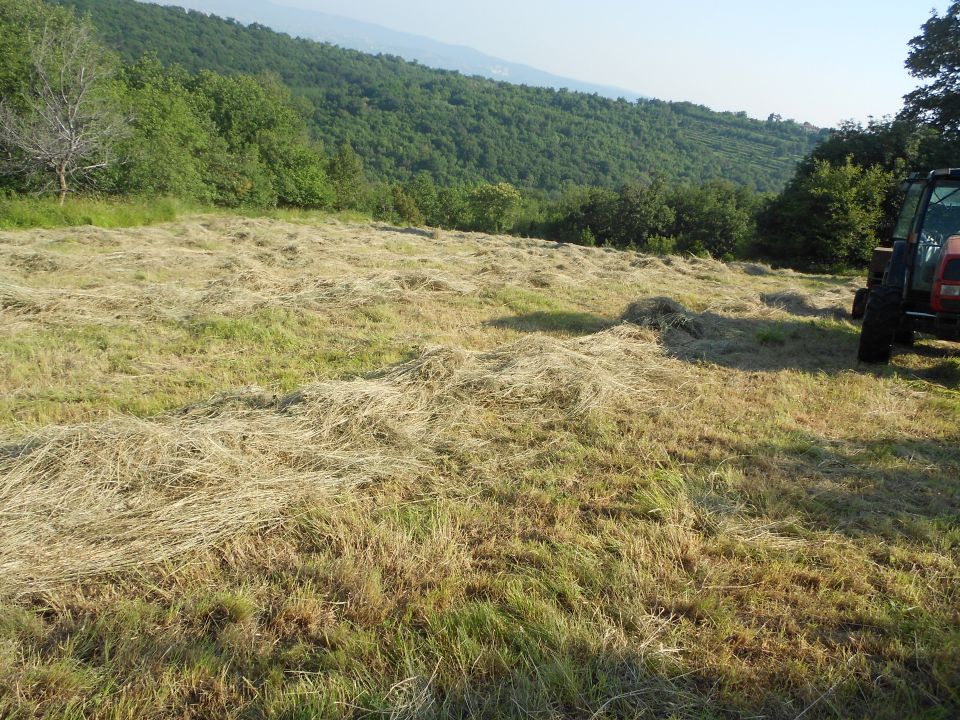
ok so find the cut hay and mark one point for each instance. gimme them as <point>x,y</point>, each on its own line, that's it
<point>236,295</point>
<point>663,313</point>
<point>250,291</point>
<point>98,498</point>
<point>801,304</point>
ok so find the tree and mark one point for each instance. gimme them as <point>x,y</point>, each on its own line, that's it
<point>935,55</point>
<point>423,191</point>
<point>171,144</point>
<point>642,212</point>
<point>64,125</point>
<point>405,207</point>
<point>273,158</point>
<point>346,174</point>
<point>828,218</point>
<point>716,217</point>
<point>494,207</point>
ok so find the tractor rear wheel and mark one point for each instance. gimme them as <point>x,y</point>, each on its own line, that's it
<point>905,335</point>
<point>880,322</point>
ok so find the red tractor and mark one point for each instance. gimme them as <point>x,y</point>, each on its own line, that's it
<point>914,283</point>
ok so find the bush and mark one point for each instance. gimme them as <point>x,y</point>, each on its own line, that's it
<point>828,218</point>
<point>660,245</point>
<point>494,207</point>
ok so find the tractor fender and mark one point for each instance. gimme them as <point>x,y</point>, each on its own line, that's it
<point>896,275</point>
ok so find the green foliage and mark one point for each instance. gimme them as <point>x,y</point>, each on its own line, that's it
<point>899,146</point>
<point>494,207</point>
<point>271,158</point>
<point>660,245</point>
<point>169,150</point>
<point>716,218</point>
<point>639,216</point>
<point>403,118</point>
<point>243,180</point>
<point>406,208</point>
<point>238,141</point>
<point>21,21</point>
<point>346,175</point>
<point>423,193</point>
<point>642,211</point>
<point>828,218</point>
<point>935,58</point>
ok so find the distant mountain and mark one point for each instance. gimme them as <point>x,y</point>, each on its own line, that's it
<point>371,38</point>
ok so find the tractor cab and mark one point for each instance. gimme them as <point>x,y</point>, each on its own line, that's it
<point>911,286</point>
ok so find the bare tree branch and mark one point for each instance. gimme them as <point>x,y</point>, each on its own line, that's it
<point>64,128</point>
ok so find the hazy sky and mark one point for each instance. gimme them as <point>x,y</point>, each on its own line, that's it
<point>817,60</point>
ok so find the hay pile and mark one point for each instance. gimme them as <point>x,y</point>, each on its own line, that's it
<point>663,313</point>
<point>97,498</point>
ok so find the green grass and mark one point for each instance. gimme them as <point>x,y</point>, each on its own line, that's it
<point>22,213</point>
<point>146,371</point>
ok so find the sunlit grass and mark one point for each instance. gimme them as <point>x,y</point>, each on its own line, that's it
<point>763,529</point>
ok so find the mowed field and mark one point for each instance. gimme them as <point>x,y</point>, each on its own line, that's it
<point>270,469</point>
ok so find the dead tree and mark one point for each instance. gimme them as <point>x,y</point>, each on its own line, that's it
<point>63,127</point>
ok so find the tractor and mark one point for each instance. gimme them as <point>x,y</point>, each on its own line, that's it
<point>913,284</point>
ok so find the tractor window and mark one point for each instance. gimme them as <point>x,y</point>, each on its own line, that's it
<point>942,220</point>
<point>909,211</point>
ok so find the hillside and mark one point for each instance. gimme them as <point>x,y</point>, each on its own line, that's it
<point>375,39</point>
<point>269,469</point>
<point>403,117</point>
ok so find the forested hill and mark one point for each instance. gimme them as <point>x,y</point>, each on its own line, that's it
<point>402,117</point>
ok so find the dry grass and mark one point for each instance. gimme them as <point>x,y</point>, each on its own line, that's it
<point>94,499</point>
<point>481,476</point>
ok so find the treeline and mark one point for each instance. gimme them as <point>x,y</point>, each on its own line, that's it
<point>150,128</point>
<point>844,199</point>
<point>403,118</point>
<point>716,218</point>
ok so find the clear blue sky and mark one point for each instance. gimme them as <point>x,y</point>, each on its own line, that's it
<point>817,60</point>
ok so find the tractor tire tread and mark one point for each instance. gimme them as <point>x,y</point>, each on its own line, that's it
<point>880,322</point>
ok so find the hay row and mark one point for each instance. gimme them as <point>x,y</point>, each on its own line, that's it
<point>229,296</point>
<point>98,498</point>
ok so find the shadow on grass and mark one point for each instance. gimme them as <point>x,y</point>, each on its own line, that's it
<point>889,488</point>
<point>420,232</point>
<point>555,322</point>
<point>942,350</point>
<point>945,374</point>
<point>814,340</point>
<point>742,343</point>
<point>757,344</point>
<point>798,304</point>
